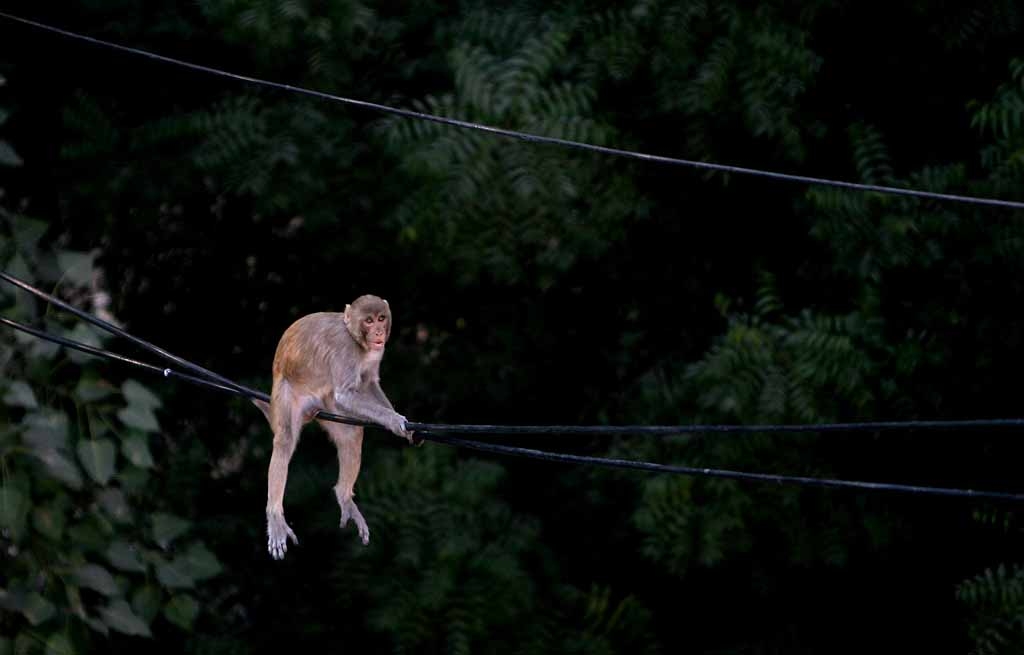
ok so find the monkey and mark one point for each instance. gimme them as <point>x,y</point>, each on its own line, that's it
<point>328,361</point>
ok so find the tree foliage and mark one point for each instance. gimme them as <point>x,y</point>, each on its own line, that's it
<point>531,284</point>
<point>90,550</point>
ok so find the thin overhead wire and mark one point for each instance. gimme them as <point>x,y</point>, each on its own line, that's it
<point>439,432</point>
<point>106,354</point>
<point>524,136</point>
<point>606,462</point>
<point>510,430</point>
<point>221,382</point>
<point>115,330</point>
<point>710,428</point>
<point>609,462</point>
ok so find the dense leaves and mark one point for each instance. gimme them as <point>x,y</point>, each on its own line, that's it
<point>530,284</point>
<point>72,511</point>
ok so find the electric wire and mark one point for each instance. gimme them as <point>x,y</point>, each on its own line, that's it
<point>439,432</point>
<point>510,430</point>
<point>106,354</point>
<point>610,462</point>
<point>523,136</point>
<point>606,462</point>
<point>222,382</point>
<point>711,428</point>
<point>113,329</point>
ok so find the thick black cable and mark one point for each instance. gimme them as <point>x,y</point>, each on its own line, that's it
<point>548,456</point>
<point>232,388</point>
<point>113,329</point>
<point>180,361</point>
<point>705,428</point>
<point>610,462</point>
<point>106,354</point>
<point>524,136</point>
<point>446,428</point>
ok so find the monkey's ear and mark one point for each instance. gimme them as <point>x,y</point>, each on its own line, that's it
<point>386,302</point>
<point>345,314</point>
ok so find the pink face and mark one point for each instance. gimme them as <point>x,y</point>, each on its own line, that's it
<point>374,327</point>
<point>368,319</point>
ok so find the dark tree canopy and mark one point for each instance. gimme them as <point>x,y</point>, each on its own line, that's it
<point>529,284</point>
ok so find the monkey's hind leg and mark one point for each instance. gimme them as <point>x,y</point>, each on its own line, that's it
<point>288,414</point>
<point>348,439</point>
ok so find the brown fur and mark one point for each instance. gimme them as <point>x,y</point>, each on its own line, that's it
<point>327,361</point>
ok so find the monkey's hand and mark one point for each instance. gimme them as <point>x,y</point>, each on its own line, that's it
<point>278,534</point>
<point>396,423</point>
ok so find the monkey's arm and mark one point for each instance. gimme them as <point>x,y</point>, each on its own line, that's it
<point>363,405</point>
<point>378,394</point>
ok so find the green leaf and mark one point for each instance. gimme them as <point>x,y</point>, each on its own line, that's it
<point>48,520</point>
<point>139,416</point>
<point>182,611</point>
<point>125,557</point>
<point>4,115</point>
<point>19,394</point>
<point>76,267</point>
<point>46,429</point>
<point>26,642</point>
<point>87,335</point>
<point>136,449</point>
<point>146,602</point>
<point>136,394</point>
<point>87,536</point>
<point>74,597</point>
<point>200,563</point>
<point>61,468</point>
<point>6,647</point>
<point>119,616</point>
<point>174,574</point>
<point>28,231</point>
<point>97,458</point>
<point>43,350</point>
<point>99,425</point>
<point>114,504</point>
<point>97,625</point>
<point>37,609</point>
<point>133,479</point>
<point>97,578</point>
<point>7,155</point>
<point>18,267</point>
<point>13,510</point>
<point>90,390</point>
<point>167,527</point>
<point>12,600</point>
<point>59,644</point>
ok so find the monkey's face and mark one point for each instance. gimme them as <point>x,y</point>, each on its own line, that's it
<point>375,327</point>
<point>369,321</point>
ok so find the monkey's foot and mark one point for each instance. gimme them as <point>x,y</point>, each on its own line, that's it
<point>278,534</point>
<point>350,511</point>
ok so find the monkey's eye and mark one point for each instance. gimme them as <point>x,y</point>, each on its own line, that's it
<point>369,319</point>
<point>381,318</point>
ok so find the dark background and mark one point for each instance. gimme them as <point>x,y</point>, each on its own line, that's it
<point>530,284</point>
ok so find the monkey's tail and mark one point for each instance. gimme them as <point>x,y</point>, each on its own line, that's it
<point>264,407</point>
